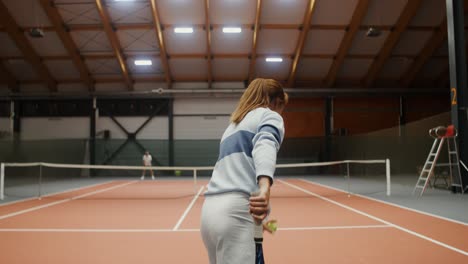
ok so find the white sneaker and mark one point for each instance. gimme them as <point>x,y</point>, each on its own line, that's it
<point>142,178</point>
<point>152,177</point>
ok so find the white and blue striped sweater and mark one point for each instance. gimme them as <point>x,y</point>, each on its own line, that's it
<point>247,150</point>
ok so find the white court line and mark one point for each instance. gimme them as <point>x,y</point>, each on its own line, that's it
<point>332,227</point>
<point>55,193</point>
<point>176,227</point>
<point>377,219</point>
<point>63,201</point>
<point>385,202</point>
<point>84,230</point>
<point>87,230</point>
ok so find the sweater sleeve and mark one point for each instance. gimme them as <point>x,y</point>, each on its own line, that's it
<point>266,143</point>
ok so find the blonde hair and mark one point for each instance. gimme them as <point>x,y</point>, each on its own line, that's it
<point>259,93</point>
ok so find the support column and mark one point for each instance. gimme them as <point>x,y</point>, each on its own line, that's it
<point>328,128</point>
<point>402,141</point>
<point>402,116</point>
<point>12,122</point>
<point>458,80</point>
<point>92,132</point>
<point>16,126</point>
<point>16,119</point>
<point>171,131</point>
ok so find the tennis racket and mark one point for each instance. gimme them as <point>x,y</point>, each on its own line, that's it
<point>259,259</point>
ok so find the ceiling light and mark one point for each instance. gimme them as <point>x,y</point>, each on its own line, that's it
<point>143,62</point>
<point>274,59</point>
<point>183,30</point>
<point>373,32</point>
<point>232,30</point>
<point>36,33</point>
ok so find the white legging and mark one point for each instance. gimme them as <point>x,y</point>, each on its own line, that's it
<point>227,229</point>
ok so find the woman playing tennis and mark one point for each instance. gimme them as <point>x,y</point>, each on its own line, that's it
<point>238,193</point>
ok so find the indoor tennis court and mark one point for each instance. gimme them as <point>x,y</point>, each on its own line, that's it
<point>119,119</point>
<point>125,222</point>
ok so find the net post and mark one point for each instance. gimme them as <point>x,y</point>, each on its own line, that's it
<point>2,181</point>
<point>40,181</point>
<point>348,176</point>
<point>387,172</point>
<point>195,181</point>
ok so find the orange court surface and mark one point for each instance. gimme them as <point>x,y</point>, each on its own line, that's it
<point>158,222</point>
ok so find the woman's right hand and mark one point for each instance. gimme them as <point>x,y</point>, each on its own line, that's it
<point>259,202</point>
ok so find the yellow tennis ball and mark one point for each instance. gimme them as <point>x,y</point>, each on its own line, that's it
<point>273,226</point>
<point>178,173</point>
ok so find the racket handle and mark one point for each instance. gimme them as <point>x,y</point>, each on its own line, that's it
<point>258,231</point>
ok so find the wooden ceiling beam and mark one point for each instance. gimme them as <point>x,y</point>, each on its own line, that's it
<point>407,14</point>
<point>108,28</point>
<point>358,16</point>
<point>187,56</point>
<point>443,78</point>
<point>23,44</point>
<point>26,29</point>
<point>152,79</point>
<point>436,40</point>
<point>208,42</point>
<point>67,41</point>
<point>139,79</point>
<point>230,56</point>
<point>162,45</point>
<point>140,26</point>
<point>301,42</point>
<point>48,57</point>
<point>256,30</point>
<point>7,76</point>
<point>108,56</point>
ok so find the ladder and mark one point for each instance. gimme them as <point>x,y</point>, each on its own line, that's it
<point>466,168</point>
<point>454,165</point>
<point>429,166</point>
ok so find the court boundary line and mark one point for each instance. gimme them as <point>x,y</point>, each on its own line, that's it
<point>377,219</point>
<point>333,227</point>
<point>162,230</point>
<point>385,202</point>
<point>187,210</point>
<point>55,193</point>
<point>35,208</point>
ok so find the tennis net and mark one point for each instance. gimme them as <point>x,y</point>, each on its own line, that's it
<point>40,179</point>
